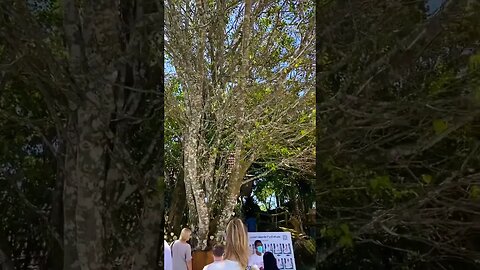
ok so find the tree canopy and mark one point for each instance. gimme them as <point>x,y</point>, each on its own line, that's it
<point>240,93</point>
<point>397,93</point>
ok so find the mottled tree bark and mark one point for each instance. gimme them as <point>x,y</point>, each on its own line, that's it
<point>93,152</point>
<point>100,88</point>
<point>197,205</point>
<point>231,198</point>
<point>55,258</point>
<point>83,200</point>
<point>147,255</point>
<point>241,165</point>
<point>200,156</point>
<point>177,206</point>
<point>5,261</point>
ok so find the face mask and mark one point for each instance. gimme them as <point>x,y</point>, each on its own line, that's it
<point>260,249</point>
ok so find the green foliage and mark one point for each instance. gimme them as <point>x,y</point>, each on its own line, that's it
<point>346,238</point>
<point>380,183</point>
<point>474,62</point>
<point>286,185</point>
<point>389,90</point>
<point>427,178</point>
<point>475,192</point>
<point>439,126</point>
<point>339,233</point>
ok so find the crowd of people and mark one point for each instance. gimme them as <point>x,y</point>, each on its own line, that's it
<point>235,255</point>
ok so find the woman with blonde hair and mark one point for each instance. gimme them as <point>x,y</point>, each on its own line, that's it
<point>236,248</point>
<point>182,252</point>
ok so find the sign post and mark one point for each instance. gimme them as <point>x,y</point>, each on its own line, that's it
<point>278,243</point>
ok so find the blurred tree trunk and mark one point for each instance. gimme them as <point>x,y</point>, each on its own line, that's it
<point>104,95</point>
<point>5,261</point>
<point>55,256</point>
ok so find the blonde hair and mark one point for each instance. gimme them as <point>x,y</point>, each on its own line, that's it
<point>185,234</point>
<point>236,248</point>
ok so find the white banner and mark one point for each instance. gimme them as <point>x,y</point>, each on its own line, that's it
<point>278,243</point>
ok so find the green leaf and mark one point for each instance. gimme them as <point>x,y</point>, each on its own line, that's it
<point>476,94</point>
<point>474,62</point>
<point>272,166</point>
<point>439,126</point>
<point>346,241</point>
<point>381,183</point>
<point>284,151</point>
<point>475,192</point>
<point>345,229</point>
<point>427,178</point>
<point>439,84</point>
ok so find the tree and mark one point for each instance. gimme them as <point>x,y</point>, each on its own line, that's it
<point>397,147</point>
<point>95,71</point>
<point>244,77</point>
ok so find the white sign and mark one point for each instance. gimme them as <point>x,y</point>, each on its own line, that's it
<point>278,243</point>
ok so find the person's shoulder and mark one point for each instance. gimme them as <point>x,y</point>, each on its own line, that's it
<point>223,265</point>
<point>232,265</point>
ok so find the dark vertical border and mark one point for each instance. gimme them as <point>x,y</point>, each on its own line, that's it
<point>161,11</point>
<point>318,101</point>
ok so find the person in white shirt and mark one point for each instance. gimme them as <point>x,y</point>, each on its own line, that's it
<point>167,256</point>
<point>217,251</point>
<point>257,257</point>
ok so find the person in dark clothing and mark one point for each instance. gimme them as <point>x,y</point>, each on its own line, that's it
<point>269,261</point>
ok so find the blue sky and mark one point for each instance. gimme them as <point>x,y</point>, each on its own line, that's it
<point>434,5</point>
<point>231,26</point>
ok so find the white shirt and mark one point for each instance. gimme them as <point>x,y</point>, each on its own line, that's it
<point>214,265</point>
<point>167,258</point>
<point>255,260</point>
<point>225,265</point>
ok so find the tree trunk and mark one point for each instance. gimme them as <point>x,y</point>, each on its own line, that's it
<point>241,164</point>
<point>177,206</point>
<point>197,206</point>
<point>148,251</point>
<point>84,185</point>
<point>5,262</point>
<point>5,253</point>
<point>231,198</point>
<point>55,257</point>
<point>298,213</point>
